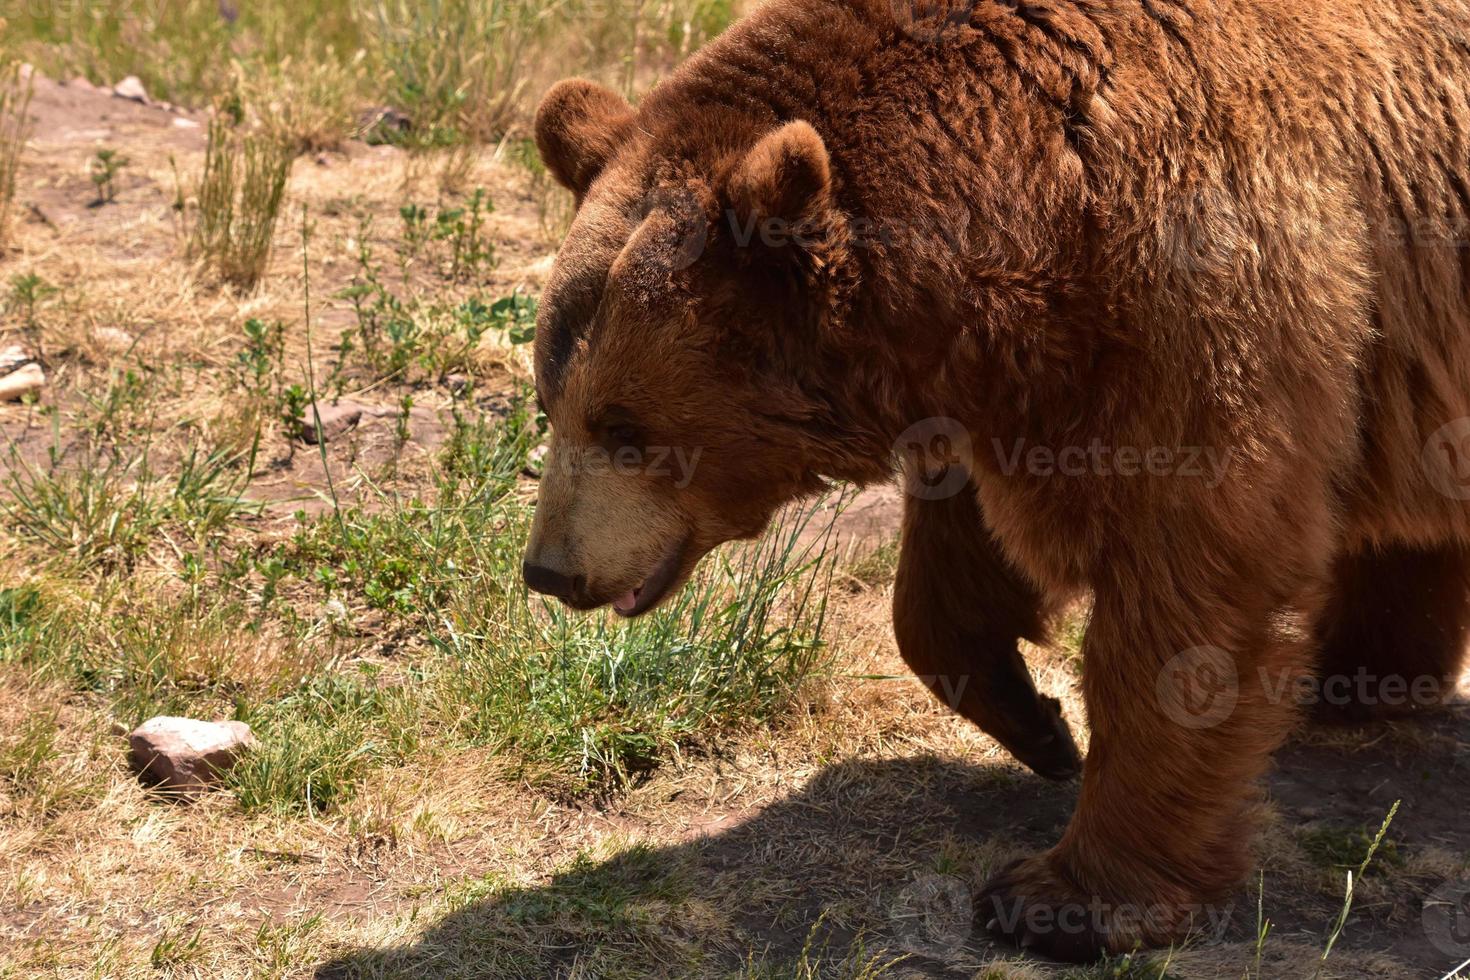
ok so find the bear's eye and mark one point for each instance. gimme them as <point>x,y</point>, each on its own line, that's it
<point>623,434</point>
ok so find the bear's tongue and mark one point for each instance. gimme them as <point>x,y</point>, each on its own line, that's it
<point>626,602</point>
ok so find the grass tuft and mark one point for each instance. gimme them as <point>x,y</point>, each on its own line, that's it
<point>240,198</point>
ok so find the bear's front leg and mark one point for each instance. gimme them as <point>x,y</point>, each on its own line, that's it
<point>1188,690</point>
<point>958,610</point>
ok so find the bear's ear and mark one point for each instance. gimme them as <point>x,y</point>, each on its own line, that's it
<point>579,126</point>
<point>785,176</point>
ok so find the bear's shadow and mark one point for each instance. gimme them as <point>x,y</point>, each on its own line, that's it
<point>875,839</point>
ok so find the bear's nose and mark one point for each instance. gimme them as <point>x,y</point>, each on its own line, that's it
<point>550,582</point>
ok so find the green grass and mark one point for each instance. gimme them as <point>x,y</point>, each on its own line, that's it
<point>1335,848</point>
<point>459,69</point>
<point>579,698</point>
<point>582,701</point>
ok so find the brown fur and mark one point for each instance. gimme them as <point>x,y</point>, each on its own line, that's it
<point>1232,224</point>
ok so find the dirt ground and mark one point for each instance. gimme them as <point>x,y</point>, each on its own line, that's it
<point>869,820</point>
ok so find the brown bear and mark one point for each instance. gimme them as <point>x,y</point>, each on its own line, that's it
<point>1165,301</point>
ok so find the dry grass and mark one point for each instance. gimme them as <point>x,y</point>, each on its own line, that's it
<point>239,201</point>
<point>15,100</point>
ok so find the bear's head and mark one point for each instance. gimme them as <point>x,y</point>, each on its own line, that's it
<point>678,347</point>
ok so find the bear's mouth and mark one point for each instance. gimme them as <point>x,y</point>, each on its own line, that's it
<point>647,595</point>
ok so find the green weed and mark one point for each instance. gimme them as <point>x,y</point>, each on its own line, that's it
<point>104,168</point>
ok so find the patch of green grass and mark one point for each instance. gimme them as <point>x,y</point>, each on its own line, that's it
<point>583,701</point>
<point>404,335</point>
<point>319,740</point>
<point>594,700</point>
<point>100,507</point>
<point>1334,848</point>
<point>183,50</point>
<point>460,70</point>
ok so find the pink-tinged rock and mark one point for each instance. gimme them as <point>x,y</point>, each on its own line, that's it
<point>323,423</point>
<point>184,754</point>
<point>20,375</point>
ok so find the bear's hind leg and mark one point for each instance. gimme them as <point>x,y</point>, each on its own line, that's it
<point>958,610</point>
<point>1393,632</point>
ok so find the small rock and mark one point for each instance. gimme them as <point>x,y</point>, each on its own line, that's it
<point>113,340</point>
<point>185,754</point>
<point>131,88</point>
<point>20,375</point>
<point>181,123</point>
<point>13,357</point>
<point>323,423</point>
<point>25,380</point>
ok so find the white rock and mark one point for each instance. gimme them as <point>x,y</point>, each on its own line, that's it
<point>131,88</point>
<point>23,381</point>
<point>181,123</point>
<point>185,754</point>
<point>20,375</point>
<point>12,357</point>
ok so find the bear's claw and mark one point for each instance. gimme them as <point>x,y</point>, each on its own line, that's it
<point>1046,746</point>
<point>1026,904</point>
